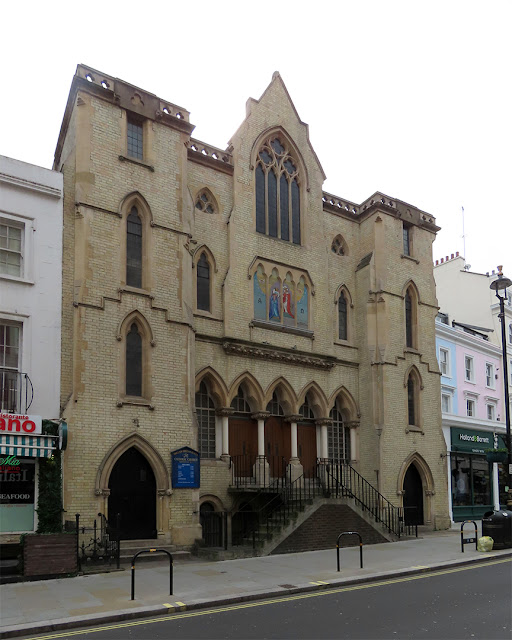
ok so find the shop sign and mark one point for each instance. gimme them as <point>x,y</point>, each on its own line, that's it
<point>14,423</point>
<point>185,468</point>
<point>471,441</point>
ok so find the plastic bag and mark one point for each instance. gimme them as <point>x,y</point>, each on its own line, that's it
<point>485,543</point>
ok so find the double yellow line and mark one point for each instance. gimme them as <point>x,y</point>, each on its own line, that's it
<point>262,603</point>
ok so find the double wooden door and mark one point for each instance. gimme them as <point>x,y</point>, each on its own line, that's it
<point>243,445</point>
<point>306,448</point>
<point>277,445</point>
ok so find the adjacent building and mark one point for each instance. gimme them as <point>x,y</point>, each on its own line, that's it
<point>219,303</point>
<point>31,201</point>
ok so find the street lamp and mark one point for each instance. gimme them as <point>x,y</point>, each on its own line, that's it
<point>501,284</point>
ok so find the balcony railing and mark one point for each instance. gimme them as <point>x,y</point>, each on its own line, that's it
<point>16,392</point>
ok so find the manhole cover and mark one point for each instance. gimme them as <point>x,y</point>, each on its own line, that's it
<point>288,586</point>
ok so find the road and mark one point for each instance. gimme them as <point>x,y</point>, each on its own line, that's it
<point>473,601</point>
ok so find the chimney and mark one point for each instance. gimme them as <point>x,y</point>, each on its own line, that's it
<point>447,258</point>
<point>442,260</point>
<point>437,262</point>
<point>457,254</point>
<point>452,257</point>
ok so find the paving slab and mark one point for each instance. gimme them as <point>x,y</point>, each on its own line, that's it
<point>46,605</point>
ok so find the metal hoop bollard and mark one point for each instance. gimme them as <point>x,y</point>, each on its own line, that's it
<point>152,551</point>
<point>464,540</point>
<point>350,533</point>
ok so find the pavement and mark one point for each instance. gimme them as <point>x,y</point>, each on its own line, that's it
<point>51,605</point>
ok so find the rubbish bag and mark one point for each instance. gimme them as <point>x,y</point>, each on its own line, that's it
<point>485,543</point>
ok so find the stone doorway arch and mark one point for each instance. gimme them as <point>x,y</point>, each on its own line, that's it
<point>158,467</point>
<point>422,473</point>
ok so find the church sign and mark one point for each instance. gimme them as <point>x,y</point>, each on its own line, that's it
<point>185,468</point>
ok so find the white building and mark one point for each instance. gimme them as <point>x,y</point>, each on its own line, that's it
<point>31,202</point>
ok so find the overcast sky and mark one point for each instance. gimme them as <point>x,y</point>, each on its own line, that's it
<point>409,98</point>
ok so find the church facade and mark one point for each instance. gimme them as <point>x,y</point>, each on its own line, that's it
<point>220,300</point>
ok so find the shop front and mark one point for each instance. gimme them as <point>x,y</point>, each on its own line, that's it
<point>474,481</point>
<point>21,445</point>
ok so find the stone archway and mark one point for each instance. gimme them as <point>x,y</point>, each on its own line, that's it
<point>409,478</point>
<point>158,468</point>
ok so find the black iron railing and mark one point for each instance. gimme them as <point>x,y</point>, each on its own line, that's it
<point>97,544</point>
<point>16,392</point>
<point>339,479</point>
<point>215,528</point>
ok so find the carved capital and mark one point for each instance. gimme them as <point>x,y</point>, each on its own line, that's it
<point>400,493</point>
<point>293,418</point>
<point>102,493</point>
<point>430,492</point>
<point>323,422</point>
<point>260,415</point>
<point>352,424</point>
<point>164,492</point>
<point>225,411</point>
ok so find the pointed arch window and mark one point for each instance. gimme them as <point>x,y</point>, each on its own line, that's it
<point>277,192</point>
<point>412,400</point>
<point>205,412</point>
<point>239,403</point>
<point>203,283</point>
<point>342,317</point>
<point>274,406</point>
<point>133,361</point>
<point>411,314</point>
<point>306,411</point>
<point>338,438</point>
<point>134,249</point>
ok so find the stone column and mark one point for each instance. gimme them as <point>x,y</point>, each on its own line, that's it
<point>261,467</point>
<point>295,468</point>
<point>224,413</point>
<point>324,450</point>
<point>354,454</point>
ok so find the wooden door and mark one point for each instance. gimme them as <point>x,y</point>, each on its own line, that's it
<point>306,448</point>
<point>277,445</point>
<point>243,445</point>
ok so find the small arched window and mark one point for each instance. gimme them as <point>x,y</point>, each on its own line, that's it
<point>239,403</point>
<point>412,401</point>
<point>306,411</point>
<point>134,249</point>
<point>133,361</point>
<point>338,246</point>
<point>205,412</point>
<point>277,192</point>
<point>342,317</point>
<point>205,202</point>
<point>203,283</point>
<point>338,438</point>
<point>274,406</point>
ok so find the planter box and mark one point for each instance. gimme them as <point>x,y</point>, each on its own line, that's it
<point>496,456</point>
<point>49,554</point>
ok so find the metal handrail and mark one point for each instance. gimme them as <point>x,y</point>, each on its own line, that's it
<point>16,391</point>
<point>342,479</point>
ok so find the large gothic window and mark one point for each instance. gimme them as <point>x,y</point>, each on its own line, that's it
<point>205,412</point>
<point>342,317</point>
<point>338,438</point>
<point>277,192</point>
<point>134,249</point>
<point>133,362</point>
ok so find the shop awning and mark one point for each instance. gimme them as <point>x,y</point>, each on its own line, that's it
<point>27,446</point>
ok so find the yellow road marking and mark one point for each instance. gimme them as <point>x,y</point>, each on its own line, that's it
<point>261,603</point>
<point>420,566</point>
<point>181,605</point>
<point>169,606</point>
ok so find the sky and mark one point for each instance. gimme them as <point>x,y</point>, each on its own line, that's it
<point>412,98</point>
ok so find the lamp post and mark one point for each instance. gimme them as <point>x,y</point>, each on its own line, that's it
<point>501,284</point>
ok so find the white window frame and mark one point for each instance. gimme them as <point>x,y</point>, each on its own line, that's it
<point>489,375</point>
<point>471,413</point>
<point>471,361</point>
<point>492,407</point>
<point>446,361</point>
<point>27,226</point>
<point>448,397</point>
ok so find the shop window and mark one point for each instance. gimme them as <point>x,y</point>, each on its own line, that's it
<point>338,438</point>
<point>203,283</point>
<point>134,249</point>
<point>11,248</point>
<point>277,191</point>
<point>134,138</point>
<point>489,375</point>
<point>444,361</point>
<point>10,342</point>
<point>471,481</point>
<point>205,412</point>
<point>470,408</point>
<point>469,369</point>
<point>17,497</point>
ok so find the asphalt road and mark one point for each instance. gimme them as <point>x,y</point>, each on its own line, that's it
<point>474,601</point>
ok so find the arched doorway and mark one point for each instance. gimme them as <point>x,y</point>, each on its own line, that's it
<point>413,496</point>
<point>133,495</point>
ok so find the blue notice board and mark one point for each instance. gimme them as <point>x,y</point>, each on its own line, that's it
<point>185,468</point>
